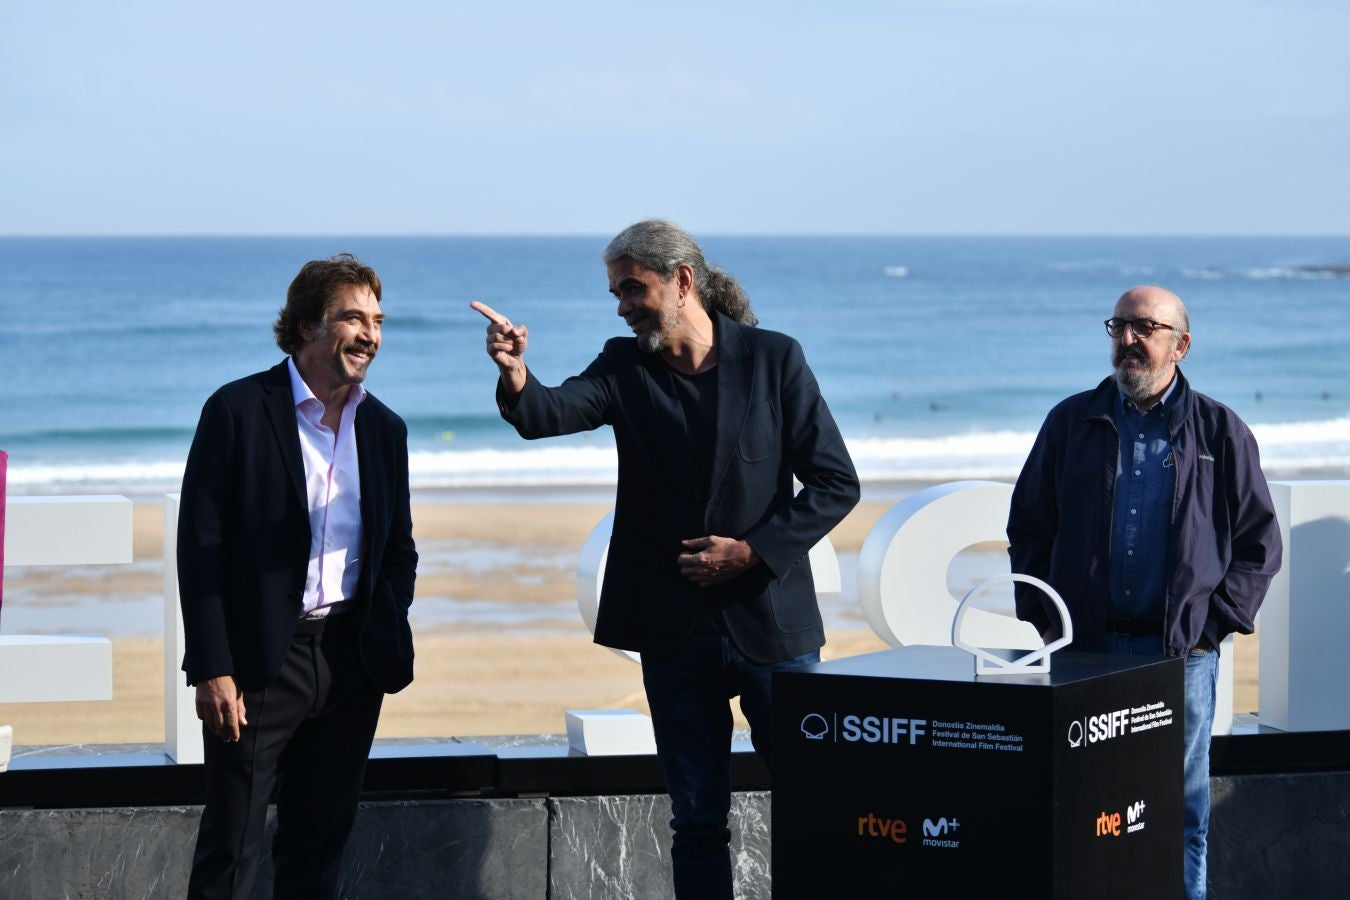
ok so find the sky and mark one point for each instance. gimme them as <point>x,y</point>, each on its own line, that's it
<point>1063,117</point>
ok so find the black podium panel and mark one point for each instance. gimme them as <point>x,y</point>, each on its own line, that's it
<point>901,770</point>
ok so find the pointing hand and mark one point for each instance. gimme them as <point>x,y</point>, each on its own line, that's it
<point>505,342</point>
<point>505,346</point>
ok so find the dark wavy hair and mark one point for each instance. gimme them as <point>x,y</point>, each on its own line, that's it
<point>314,290</point>
<point>662,247</point>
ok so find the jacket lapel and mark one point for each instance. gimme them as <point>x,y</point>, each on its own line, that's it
<point>369,466</point>
<point>375,481</point>
<point>280,405</point>
<point>735,387</point>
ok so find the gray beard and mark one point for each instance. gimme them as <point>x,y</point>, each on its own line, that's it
<point>654,341</point>
<point>651,342</point>
<point>1135,384</point>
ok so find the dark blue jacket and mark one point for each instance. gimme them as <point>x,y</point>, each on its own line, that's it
<point>772,425</point>
<point>1224,546</point>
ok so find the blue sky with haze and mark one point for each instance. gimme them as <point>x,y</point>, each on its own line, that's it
<point>967,117</point>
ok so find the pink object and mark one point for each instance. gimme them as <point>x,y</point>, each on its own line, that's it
<point>4,458</point>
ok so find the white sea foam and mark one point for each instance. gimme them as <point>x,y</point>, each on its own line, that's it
<point>1287,448</point>
<point>1267,273</point>
<point>128,474</point>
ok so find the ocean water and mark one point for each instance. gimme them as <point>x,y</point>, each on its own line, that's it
<point>939,356</point>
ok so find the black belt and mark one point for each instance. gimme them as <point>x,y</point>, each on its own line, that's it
<point>1134,627</point>
<point>309,626</point>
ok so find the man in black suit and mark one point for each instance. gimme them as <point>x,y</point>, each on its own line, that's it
<point>707,574</point>
<point>295,566</point>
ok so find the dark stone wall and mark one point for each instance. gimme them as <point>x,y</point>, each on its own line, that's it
<point>488,849</point>
<point>1270,836</point>
<point>1282,835</point>
<point>619,847</point>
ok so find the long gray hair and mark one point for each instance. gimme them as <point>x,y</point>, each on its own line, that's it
<point>663,247</point>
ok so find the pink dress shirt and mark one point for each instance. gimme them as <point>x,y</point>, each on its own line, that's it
<point>333,486</point>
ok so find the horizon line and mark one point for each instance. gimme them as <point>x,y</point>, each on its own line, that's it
<point>206,235</point>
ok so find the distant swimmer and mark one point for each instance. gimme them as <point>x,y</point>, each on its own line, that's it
<point>1140,573</point>
<point>707,574</point>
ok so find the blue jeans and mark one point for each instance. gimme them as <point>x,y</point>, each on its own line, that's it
<point>689,696</point>
<point>1202,675</point>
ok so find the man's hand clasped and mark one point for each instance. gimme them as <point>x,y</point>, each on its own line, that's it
<point>713,560</point>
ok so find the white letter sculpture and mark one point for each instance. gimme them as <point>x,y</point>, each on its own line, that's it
<point>902,569</point>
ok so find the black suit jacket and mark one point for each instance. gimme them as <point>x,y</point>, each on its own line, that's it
<point>244,536</point>
<point>772,424</point>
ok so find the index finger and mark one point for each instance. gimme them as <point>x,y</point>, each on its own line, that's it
<point>489,313</point>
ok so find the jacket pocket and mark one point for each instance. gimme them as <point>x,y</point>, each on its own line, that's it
<point>792,600</point>
<point>761,436</point>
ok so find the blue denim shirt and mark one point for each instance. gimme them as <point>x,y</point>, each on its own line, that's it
<point>1145,482</point>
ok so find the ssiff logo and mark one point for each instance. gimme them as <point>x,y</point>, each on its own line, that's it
<point>864,729</point>
<point>1095,729</point>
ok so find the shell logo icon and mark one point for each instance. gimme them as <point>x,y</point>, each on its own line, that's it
<point>815,727</point>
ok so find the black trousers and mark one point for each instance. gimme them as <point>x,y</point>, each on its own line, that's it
<point>308,737</point>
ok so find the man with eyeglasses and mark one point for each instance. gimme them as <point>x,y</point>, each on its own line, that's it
<point>1144,505</point>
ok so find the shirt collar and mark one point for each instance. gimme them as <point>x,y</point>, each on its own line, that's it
<point>300,391</point>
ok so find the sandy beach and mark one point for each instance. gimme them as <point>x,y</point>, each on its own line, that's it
<point>511,666</point>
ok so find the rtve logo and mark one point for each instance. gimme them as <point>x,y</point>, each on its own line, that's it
<point>875,826</point>
<point>1108,824</point>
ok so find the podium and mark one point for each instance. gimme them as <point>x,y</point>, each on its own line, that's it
<point>903,770</point>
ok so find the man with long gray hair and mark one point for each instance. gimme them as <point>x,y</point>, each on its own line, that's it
<point>707,575</point>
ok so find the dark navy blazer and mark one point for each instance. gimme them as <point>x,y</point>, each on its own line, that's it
<point>244,536</point>
<point>772,425</point>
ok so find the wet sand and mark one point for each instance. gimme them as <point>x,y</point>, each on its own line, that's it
<point>513,667</point>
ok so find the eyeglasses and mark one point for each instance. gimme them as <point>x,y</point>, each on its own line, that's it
<point>1142,328</point>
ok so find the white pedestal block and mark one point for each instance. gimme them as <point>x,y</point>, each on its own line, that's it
<point>41,668</point>
<point>1306,615</point>
<point>67,530</point>
<point>610,732</point>
<point>182,728</point>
